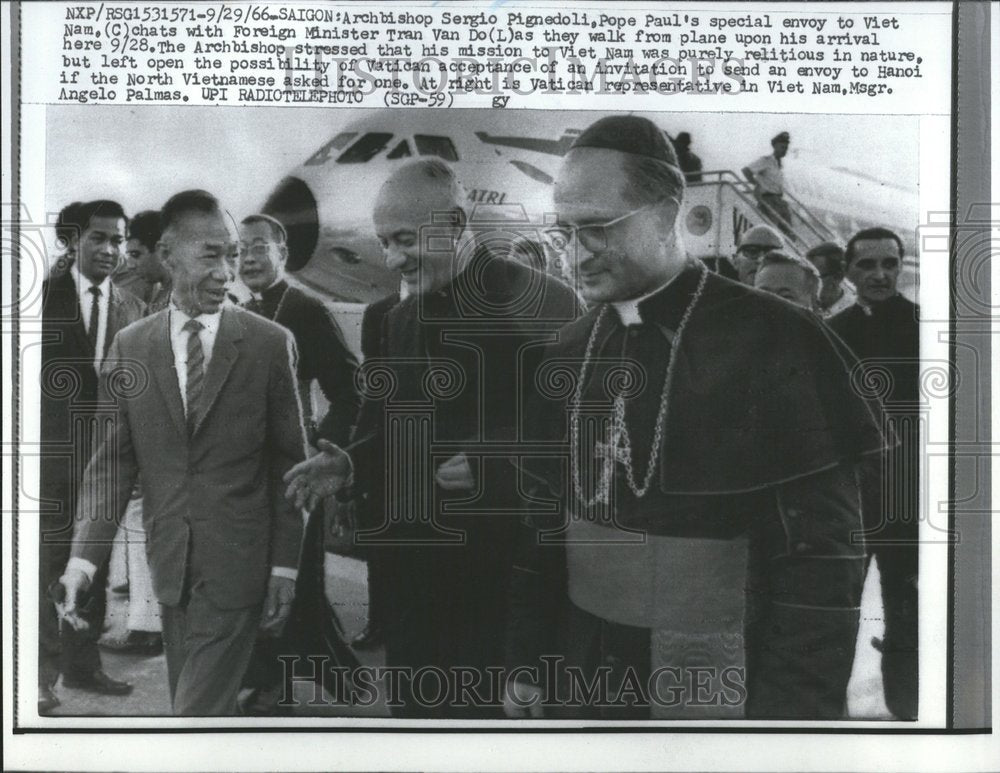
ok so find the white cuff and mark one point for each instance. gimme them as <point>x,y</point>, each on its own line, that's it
<point>75,562</point>
<point>286,572</point>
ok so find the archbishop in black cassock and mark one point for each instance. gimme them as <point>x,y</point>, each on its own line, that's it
<point>445,385</point>
<point>694,549</point>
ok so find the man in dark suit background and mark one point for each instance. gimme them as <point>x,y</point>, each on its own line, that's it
<point>81,314</point>
<point>207,412</point>
<point>325,359</point>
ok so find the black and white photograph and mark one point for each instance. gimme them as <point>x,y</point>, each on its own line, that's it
<point>442,254</point>
<point>440,418</point>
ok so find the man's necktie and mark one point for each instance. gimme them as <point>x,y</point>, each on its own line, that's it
<point>95,318</point>
<point>195,372</point>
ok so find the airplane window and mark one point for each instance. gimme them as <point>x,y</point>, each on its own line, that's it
<point>436,146</point>
<point>402,150</point>
<point>365,149</point>
<point>322,155</point>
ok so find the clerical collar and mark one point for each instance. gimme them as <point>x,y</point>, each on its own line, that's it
<point>629,311</point>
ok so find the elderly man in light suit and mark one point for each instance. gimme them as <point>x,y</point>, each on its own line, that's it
<point>209,415</point>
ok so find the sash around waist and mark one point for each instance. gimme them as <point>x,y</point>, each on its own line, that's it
<point>684,584</point>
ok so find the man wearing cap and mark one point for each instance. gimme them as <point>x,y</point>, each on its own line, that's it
<point>836,293</point>
<point>689,161</point>
<point>768,180</point>
<point>883,330</point>
<point>753,245</point>
<point>689,551</point>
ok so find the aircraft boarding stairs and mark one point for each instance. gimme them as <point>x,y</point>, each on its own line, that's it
<point>722,207</point>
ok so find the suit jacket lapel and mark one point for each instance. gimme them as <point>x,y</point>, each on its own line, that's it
<point>69,313</point>
<point>161,363</point>
<point>224,356</point>
<point>115,321</point>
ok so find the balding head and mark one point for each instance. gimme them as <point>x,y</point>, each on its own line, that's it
<point>789,277</point>
<point>419,219</point>
<point>429,183</point>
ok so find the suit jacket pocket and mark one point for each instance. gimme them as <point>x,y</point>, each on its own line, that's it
<point>236,575</point>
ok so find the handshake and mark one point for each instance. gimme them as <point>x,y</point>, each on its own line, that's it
<point>332,470</point>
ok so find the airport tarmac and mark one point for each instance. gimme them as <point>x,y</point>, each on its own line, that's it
<point>346,587</point>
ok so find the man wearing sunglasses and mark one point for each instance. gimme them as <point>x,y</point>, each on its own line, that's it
<point>754,245</point>
<point>689,550</point>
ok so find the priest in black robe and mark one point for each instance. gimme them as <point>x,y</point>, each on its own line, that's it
<point>693,547</point>
<point>430,463</point>
<point>883,330</point>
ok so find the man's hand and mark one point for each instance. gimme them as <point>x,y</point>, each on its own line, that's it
<point>319,476</point>
<point>75,582</point>
<point>455,474</point>
<point>523,701</point>
<point>278,606</point>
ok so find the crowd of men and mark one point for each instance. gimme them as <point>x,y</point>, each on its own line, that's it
<point>651,491</point>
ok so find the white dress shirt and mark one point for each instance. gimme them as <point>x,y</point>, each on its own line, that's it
<point>179,343</point>
<point>768,175</point>
<point>83,286</point>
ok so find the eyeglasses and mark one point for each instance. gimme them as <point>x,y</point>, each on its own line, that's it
<point>594,236</point>
<point>258,250</point>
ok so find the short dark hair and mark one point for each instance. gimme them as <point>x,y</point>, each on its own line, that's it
<point>145,227</point>
<point>834,254</point>
<point>75,218</point>
<point>68,224</point>
<point>184,203</point>
<point>277,229</point>
<point>870,235</point>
